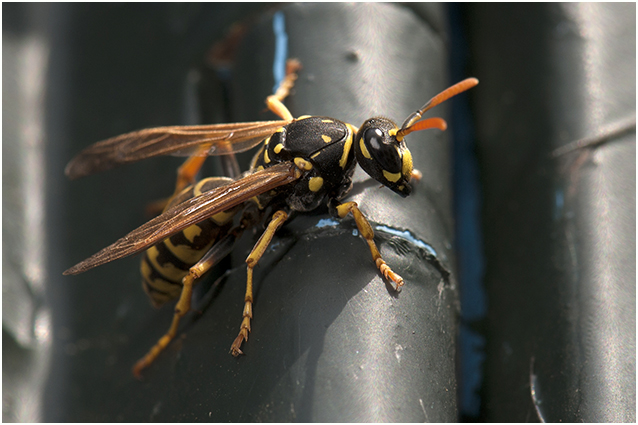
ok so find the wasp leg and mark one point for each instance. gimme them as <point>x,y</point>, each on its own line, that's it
<point>278,219</point>
<point>275,101</point>
<point>366,231</point>
<point>218,251</point>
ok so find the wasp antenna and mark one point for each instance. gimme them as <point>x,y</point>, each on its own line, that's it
<point>422,125</point>
<point>452,91</point>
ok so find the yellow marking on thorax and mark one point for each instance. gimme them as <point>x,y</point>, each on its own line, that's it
<point>327,120</point>
<point>315,183</point>
<point>302,164</point>
<point>303,117</point>
<point>326,139</point>
<point>393,177</point>
<point>346,147</point>
<point>168,270</point>
<point>266,158</point>
<point>278,148</point>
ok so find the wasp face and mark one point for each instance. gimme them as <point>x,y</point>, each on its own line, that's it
<point>382,156</point>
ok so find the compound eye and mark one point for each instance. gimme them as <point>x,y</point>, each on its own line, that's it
<point>373,137</point>
<point>386,154</point>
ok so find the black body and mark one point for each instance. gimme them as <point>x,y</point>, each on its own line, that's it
<point>325,143</point>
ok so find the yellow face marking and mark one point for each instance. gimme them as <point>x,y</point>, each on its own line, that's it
<point>192,232</point>
<point>167,270</point>
<point>326,139</point>
<point>407,165</point>
<point>393,132</point>
<point>278,148</point>
<point>315,183</point>
<point>364,150</point>
<point>302,164</point>
<point>392,177</point>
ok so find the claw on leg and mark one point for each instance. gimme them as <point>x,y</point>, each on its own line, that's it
<point>366,231</point>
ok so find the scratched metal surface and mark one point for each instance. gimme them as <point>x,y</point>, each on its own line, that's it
<point>556,133</point>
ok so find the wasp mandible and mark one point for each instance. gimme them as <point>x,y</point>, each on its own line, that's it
<point>302,163</point>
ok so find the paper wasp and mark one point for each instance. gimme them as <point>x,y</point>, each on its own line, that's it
<point>303,163</point>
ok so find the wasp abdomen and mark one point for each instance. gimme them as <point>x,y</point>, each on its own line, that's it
<point>165,264</point>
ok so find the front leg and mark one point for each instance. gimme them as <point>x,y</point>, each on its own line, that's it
<point>366,231</point>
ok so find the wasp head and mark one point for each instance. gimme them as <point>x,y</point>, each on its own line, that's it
<point>379,145</point>
<point>384,157</point>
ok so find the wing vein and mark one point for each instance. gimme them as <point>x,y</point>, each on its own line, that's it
<point>190,212</point>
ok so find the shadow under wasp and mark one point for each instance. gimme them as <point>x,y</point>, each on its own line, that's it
<point>302,163</point>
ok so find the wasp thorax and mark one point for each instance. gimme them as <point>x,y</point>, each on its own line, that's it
<point>382,156</point>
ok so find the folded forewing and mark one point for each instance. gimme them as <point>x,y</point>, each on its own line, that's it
<point>189,212</point>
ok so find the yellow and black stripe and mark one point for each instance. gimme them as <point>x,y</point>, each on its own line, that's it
<point>165,264</point>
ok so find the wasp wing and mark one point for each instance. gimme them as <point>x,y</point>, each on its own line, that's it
<point>215,139</point>
<point>191,211</point>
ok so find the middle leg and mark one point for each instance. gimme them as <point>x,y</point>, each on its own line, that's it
<point>277,221</point>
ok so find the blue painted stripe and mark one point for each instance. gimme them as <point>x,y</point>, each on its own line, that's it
<point>409,237</point>
<point>281,48</point>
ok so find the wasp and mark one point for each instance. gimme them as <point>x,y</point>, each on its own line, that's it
<point>302,163</point>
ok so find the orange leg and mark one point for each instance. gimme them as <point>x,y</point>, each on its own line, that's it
<point>366,231</point>
<point>275,101</point>
<point>277,221</point>
<point>182,307</point>
<point>212,257</point>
